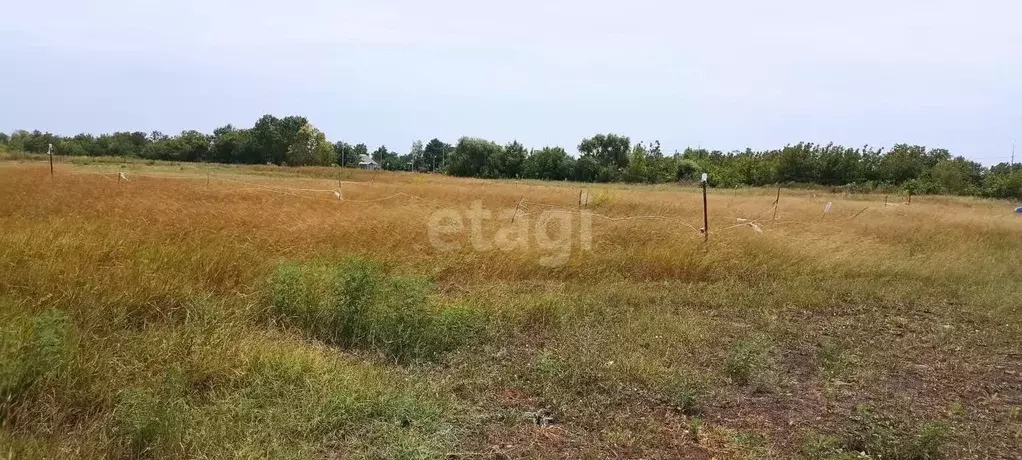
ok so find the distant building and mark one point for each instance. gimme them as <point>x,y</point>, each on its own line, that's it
<point>367,162</point>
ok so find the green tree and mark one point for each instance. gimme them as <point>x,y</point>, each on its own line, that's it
<point>232,145</point>
<point>388,160</point>
<point>471,157</point>
<point>837,165</point>
<point>586,169</point>
<point>688,170</point>
<point>638,169</point>
<point>506,162</point>
<point>1003,184</point>
<point>309,147</point>
<point>415,156</point>
<point>360,151</point>
<point>380,154</point>
<point>956,177</point>
<point>272,136</point>
<point>434,155</point>
<point>79,145</point>
<point>32,142</point>
<point>797,163</point>
<point>610,150</point>
<point>903,163</point>
<point>550,163</point>
<point>344,154</point>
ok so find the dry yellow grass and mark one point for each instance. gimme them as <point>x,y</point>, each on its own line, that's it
<point>163,282</point>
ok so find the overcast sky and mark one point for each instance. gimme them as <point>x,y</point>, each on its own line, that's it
<point>720,74</point>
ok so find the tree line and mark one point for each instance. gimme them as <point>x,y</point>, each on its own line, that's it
<point>293,141</point>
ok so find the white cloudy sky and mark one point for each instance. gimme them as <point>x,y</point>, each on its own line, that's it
<point>722,74</point>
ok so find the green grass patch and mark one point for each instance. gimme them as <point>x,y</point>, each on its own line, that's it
<point>873,435</point>
<point>30,351</point>
<point>354,305</point>
<point>747,361</point>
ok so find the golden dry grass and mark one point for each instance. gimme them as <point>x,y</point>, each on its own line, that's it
<point>163,282</point>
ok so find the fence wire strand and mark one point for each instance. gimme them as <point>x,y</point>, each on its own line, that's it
<point>521,210</point>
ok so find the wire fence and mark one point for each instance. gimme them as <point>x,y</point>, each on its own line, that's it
<point>523,207</point>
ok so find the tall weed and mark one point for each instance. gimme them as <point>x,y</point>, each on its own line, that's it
<point>354,305</point>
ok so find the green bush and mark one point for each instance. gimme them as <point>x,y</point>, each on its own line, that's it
<point>148,425</point>
<point>746,361</point>
<point>684,394</point>
<point>354,305</point>
<point>30,353</point>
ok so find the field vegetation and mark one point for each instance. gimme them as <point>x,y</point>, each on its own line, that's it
<point>187,310</point>
<point>601,158</point>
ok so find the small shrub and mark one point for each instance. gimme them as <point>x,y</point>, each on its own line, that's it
<point>299,296</point>
<point>695,425</point>
<point>820,447</point>
<point>684,394</point>
<point>459,326</point>
<point>401,325</point>
<point>832,359</point>
<point>146,424</point>
<point>746,360</point>
<point>354,305</point>
<point>883,437</point>
<point>31,353</point>
<point>356,285</point>
<point>548,366</point>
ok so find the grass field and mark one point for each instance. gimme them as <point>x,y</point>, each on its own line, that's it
<point>196,311</point>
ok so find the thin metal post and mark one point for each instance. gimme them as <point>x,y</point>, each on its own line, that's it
<point>706,216</point>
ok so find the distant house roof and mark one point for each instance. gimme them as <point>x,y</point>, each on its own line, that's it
<point>366,160</point>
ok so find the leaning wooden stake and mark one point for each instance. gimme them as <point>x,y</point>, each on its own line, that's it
<point>580,198</point>
<point>776,202</point>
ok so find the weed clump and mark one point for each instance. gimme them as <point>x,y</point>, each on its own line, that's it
<point>884,437</point>
<point>873,435</point>
<point>148,424</point>
<point>30,353</point>
<point>746,361</point>
<point>354,305</point>
<point>685,394</point>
